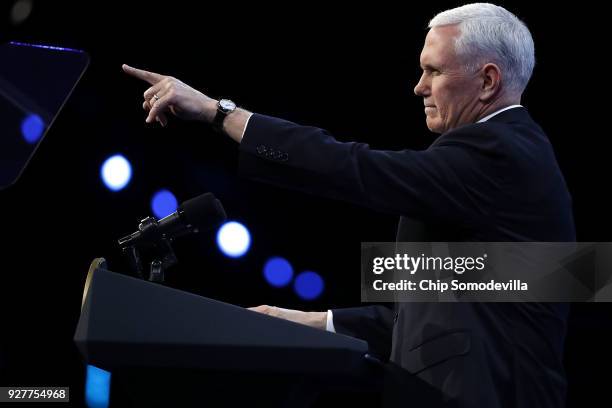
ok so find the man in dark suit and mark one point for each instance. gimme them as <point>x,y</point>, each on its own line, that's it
<point>490,176</point>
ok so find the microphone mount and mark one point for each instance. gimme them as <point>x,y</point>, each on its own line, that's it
<point>151,238</point>
<point>200,213</point>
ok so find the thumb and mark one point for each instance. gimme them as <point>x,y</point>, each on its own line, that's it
<point>260,308</point>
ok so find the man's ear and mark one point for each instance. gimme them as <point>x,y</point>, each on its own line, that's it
<point>491,82</point>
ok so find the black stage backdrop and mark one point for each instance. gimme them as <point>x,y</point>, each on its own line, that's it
<point>351,70</point>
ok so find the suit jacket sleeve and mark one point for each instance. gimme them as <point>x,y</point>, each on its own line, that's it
<point>422,184</point>
<point>373,324</point>
<point>429,184</point>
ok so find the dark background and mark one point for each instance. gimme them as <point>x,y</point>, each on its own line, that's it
<point>350,70</point>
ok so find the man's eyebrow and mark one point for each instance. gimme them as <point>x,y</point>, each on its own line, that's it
<point>427,66</point>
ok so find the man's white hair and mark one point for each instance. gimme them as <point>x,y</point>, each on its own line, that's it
<point>489,33</point>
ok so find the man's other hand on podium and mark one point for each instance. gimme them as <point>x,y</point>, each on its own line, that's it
<point>317,320</point>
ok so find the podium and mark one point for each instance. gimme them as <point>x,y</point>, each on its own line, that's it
<point>173,348</point>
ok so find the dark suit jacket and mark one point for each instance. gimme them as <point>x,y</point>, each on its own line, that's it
<point>492,181</point>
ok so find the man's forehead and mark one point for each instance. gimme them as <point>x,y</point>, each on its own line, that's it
<point>439,43</point>
<point>442,34</point>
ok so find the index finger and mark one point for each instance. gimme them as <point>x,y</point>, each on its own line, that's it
<point>150,77</point>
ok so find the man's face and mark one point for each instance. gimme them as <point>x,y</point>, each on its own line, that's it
<point>450,94</point>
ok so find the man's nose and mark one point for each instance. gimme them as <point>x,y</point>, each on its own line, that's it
<point>421,89</point>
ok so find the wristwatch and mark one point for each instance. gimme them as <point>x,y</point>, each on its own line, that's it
<point>224,108</point>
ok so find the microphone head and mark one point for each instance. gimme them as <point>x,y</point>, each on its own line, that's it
<point>203,212</point>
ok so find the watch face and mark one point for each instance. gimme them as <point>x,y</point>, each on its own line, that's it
<point>227,105</point>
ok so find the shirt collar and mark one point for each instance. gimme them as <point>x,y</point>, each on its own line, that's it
<point>499,111</point>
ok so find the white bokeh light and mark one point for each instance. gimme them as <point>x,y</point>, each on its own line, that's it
<point>233,239</point>
<point>20,11</point>
<point>116,172</point>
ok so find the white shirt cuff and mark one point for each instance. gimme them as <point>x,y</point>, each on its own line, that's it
<point>330,322</point>
<point>245,126</point>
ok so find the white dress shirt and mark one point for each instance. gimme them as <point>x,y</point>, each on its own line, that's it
<point>497,112</point>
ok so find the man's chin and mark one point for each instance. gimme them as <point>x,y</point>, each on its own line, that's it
<point>433,126</point>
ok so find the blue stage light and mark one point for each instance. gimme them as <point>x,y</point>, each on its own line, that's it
<point>32,128</point>
<point>233,239</point>
<point>116,172</point>
<point>47,47</point>
<point>97,387</point>
<point>278,271</point>
<point>163,203</point>
<point>308,285</point>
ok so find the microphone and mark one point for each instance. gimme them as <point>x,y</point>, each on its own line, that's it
<point>200,213</point>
